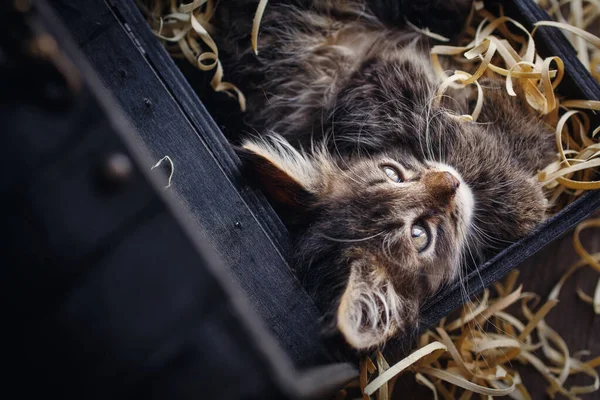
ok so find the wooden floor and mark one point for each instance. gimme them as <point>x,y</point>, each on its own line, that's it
<point>573,319</point>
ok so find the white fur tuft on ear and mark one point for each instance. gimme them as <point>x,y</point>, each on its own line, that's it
<point>301,167</point>
<point>369,311</point>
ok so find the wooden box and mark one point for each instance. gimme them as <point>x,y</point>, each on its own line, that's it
<point>184,291</point>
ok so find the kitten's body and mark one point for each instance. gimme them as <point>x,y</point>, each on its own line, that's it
<point>352,92</point>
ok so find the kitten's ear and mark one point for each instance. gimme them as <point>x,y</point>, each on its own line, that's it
<point>371,311</point>
<point>286,175</point>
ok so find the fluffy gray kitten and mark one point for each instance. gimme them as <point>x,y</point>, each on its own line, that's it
<point>386,195</point>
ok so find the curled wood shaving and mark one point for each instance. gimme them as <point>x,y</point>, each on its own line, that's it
<point>491,47</point>
<point>593,39</point>
<point>187,26</point>
<point>475,356</point>
<point>420,378</point>
<point>463,78</point>
<point>171,169</point>
<point>260,10</point>
<point>363,376</point>
<point>401,366</point>
<point>587,261</point>
<point>384,391</point>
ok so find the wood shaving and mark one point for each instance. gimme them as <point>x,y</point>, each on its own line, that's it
<point>260,10</point>
<point>184,29</point>
<point>172,169</point>
<point>478,355</point>
<point>580,21</point>
<point>474,352</point>
<point>492,48</point>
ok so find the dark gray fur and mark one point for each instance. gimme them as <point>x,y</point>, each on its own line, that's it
<point>331,74</point>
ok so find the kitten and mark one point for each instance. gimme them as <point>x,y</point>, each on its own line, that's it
<point>386,195</point>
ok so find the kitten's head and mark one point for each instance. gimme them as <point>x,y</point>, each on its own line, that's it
<point>375,234</point>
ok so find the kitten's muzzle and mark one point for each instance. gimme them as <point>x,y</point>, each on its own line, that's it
<point>441,186</point>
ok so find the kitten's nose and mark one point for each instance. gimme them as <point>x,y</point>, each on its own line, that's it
<point>441,185</point>
<point>454,183</point>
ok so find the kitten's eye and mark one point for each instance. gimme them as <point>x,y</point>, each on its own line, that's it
<point>420,237</point>
<point>392,173</point>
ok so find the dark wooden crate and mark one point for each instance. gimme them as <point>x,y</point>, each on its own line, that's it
<point>238,223</point>
<point>112,289</point>
<point>170,120</point>
<point>577,84</point>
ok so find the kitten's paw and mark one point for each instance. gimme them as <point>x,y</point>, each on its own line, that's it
<point>445,17</point>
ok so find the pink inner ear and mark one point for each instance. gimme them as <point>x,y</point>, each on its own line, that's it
<point>278,184</point>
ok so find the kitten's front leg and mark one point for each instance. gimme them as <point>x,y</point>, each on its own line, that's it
<point>445,17</point>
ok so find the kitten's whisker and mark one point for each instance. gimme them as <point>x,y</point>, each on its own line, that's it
<point>488,239</point>
<point>386,245</point>
<point>468,302</point>
<point>367,117</point>
<point>427,131</point>
<point>350,240</point>
<point>488,235</point>
<point>334,142</point>
<point>482,285</point>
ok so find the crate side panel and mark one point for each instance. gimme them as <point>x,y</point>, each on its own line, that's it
<point>213,200</point>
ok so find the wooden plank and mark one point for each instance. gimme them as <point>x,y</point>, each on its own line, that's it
<point>215,202</point>
<point>111,299</point>
<point>573,320</point>
<point>198,116</point>
<point>146,314</point>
